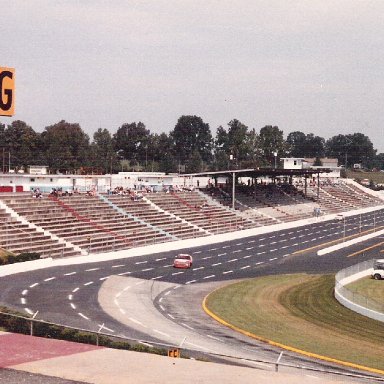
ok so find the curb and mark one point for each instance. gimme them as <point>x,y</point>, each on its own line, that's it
<point>283,346</point>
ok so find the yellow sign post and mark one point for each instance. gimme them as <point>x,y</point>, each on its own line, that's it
<point>174,352</point>
<point>7,91</point>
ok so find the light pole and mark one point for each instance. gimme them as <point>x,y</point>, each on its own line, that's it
<point>275,155</point>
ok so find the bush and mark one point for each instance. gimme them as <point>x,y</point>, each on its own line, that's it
<point>9,258</point>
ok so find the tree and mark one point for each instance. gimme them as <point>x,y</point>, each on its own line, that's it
<point>67,146</point>
<point>302,145</point>
<point>102,153</point>
<point>351,149</point>
<point>131,142</point>
<point>272,141</point>
<point>194,163</point>
<point>23,144</point>
<point>189,135</point>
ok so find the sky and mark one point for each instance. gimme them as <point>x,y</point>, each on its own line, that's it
<point>314,66</point>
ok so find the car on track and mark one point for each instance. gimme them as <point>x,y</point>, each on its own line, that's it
<point>183,260</point>
<point>378,269</point>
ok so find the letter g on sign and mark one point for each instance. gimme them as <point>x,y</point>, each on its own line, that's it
<point>7,91</point>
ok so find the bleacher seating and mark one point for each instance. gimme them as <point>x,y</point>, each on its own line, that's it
<point>80,224</point>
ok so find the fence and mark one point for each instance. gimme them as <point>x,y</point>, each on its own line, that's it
<point>17,323</point>
<point>354,300</point>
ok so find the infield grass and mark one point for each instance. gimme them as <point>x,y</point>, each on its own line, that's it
<point>300,311</point>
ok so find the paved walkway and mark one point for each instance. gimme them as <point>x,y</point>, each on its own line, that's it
<point>46,361</point>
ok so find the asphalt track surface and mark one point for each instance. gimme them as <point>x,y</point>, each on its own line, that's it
<point>70,295</point>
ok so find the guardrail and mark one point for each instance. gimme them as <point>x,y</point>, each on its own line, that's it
<point>354,300</point>
<point>36,327</point>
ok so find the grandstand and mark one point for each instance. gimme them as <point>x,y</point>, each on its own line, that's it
<point>83,223</point>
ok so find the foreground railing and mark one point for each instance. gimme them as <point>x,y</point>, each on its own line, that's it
<point>13,322</point>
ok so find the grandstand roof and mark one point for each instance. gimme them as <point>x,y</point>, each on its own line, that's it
<point>260,172</point>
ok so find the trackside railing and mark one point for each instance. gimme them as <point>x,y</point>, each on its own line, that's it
<point>355,300</point>
<point>36,327</point>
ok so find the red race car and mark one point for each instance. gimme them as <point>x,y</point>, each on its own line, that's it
<point>183,260</point>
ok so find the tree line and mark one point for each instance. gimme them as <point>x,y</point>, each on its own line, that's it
<point>189,147</point>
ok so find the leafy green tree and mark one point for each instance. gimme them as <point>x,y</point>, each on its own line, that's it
<point>102,153</point>
<point>131,142</point>
<point>67,146</point>
<point>302,145</point>
<point>23,144</point>
<point>189,135</point>
<point>194,163</point>
<point>272,141</point>
<point>351,149</point>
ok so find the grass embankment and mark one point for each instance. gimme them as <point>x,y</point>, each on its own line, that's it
<point>300,311</point>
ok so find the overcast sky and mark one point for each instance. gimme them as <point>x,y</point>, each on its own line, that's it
<point>314,66</point>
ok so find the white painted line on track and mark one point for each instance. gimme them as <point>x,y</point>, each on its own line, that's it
<point>232,260</point>
<point>167,293</point>
<point>247,249</point>
<point>260,262</point>
<point>273,250</point>
<point>162,308</point>
<point>157,277</point>
<point>23,301</point>
<point>172,317</point>
<point>92,269</point>
<point>28,311</point>
<point>209,277</point>
<point>83,316</point>
<point>70,297</point>
<point>206,258</point>
<point>24,292</point>
<point>215,338</point>
<point>168,265</point>
<point>50,278</point>
<point>141,262</point>
<point>105,277</point>
<point>247,266</point>
<point>124,273</point>
<point>118,266</point>
<point>251,241</point>
<point>191,281</point>
<point>161,333</point>
<point>274,258</point>
<point>216,264</point>
<point>136,321</point>
<point>187,326</point>
<point>226,246</point>
<point>226,272</point>
<point>197,252</point>
<point>75,290</point>
<point>247,257</point>
<point>70,273</point>
<point>89,283</point>
<point>33,285</point>
<point>161,259</point>
<point>177,273</point>
<point>221,254</point>
<point>239,244</point>
<point>237,251</point>
<point>73,306</point>
<point>196,269</point>
<point>147,269</point>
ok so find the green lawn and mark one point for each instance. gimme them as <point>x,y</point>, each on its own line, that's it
<point>300,311</point>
